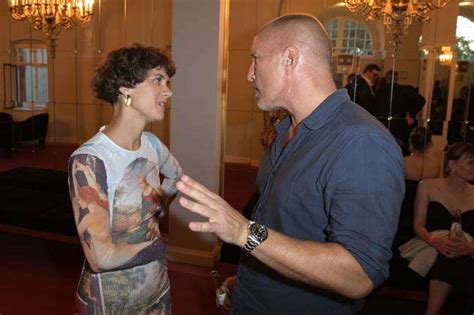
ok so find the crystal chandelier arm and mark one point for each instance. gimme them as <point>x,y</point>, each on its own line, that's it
<point>51,16</point>
<point>397,14</point>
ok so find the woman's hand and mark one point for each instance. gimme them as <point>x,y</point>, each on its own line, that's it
<point>462,248</point>
<point>444,245</point>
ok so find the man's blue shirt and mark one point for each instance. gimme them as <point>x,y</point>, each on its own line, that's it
<point>340,179</point>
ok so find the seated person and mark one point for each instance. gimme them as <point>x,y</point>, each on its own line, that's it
<point>437,200</point>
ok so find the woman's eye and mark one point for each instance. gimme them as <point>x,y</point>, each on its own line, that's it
<point>157,80</point>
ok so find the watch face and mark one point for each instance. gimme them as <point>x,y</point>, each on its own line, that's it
<point>259,231</point>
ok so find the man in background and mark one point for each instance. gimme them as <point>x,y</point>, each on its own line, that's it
<point>362,91</point>
<point>402,103</point>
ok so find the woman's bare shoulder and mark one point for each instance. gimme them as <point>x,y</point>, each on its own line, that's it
<point>431,183</point>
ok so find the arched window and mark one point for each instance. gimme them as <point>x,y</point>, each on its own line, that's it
<point>349,36</point>
<point>465,36</point>
<point>331,27</point>
<point>28,75</point>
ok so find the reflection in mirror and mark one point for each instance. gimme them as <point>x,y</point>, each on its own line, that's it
<point>462,115</point>
<point>439,97</point>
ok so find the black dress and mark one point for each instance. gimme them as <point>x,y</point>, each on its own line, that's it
<point>459,272</point>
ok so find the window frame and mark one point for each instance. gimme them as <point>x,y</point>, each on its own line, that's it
<point>339,49</point>
<point>469,57</point>
<point>33,103</point>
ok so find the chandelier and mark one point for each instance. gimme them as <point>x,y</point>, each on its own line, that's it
<point>52,16</point>
<point>446,56</point>
<point>397,15</point>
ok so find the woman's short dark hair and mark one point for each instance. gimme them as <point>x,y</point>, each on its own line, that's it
<point>420,137</point>
<point>457,151</point>
<point>127,67</point>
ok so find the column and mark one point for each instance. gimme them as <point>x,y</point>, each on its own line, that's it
<point>196,117</point>
<point>440,31</point>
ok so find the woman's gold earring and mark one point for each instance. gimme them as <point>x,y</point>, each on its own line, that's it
<point>128,101</point>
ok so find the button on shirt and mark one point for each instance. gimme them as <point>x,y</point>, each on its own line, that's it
<point>340,179</point>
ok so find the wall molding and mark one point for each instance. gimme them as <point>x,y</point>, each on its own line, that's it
<point>195,256</point>
<point>241,160</point>
<point>236,159</point>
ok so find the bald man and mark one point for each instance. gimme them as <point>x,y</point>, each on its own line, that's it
<point>331,186</point>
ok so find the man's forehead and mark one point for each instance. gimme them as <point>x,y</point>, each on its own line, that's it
<point>255,44</point>
<point>258,46</point>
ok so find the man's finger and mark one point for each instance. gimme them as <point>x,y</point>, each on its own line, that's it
<point>196,207</point>
<point>199,196</point>
<point>200,226</point>
<point>194,184</point>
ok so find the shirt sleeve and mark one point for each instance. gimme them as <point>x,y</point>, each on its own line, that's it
<point>365,191</point>
<point>88,191</point>
<point>169,167</point>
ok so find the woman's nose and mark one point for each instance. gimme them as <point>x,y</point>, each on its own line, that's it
<point>167,92</point>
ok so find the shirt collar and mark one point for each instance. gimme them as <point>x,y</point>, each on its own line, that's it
<point>367,80</point>
<point>321,114</point>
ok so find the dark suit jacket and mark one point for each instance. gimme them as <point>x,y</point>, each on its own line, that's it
<point>361,93</point>
<point>405,99</point>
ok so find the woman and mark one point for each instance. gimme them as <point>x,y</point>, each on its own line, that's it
<point>116,192</point>
<point>419,164</point>
<point>437,201</point>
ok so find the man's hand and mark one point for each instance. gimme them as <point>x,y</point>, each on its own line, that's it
<point>324,265</point>
<point>223,220</point>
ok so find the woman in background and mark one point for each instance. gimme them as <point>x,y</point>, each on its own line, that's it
<point>116,192</point>
<point>418,165</point>
<point>437,202</point>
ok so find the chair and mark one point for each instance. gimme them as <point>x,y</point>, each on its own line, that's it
<point>32,129</point>
<point>7,132</point>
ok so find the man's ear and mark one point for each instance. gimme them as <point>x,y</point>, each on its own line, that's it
<point>291,55</point>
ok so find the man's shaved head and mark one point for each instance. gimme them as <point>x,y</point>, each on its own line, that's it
<point>291,65</point>
<point>302,30</point>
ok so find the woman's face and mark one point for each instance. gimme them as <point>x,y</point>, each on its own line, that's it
<point>464,167</point>
<point>150,96</point>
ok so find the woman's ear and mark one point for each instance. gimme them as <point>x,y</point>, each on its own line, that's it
<point>124,91</point>
<point>451,166</point>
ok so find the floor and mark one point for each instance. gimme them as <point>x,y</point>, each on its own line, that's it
<point>39,272</point>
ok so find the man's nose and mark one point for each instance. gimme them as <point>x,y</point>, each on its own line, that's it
<point>251,73</point>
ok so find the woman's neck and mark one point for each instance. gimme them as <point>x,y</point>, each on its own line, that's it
<point>126,133</point>
<point>457,183</point>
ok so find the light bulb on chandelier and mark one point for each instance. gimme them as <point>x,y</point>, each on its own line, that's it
<point>397,15</point>
<point>446,56</point>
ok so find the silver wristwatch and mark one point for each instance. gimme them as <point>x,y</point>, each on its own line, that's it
<point>257,234</point>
